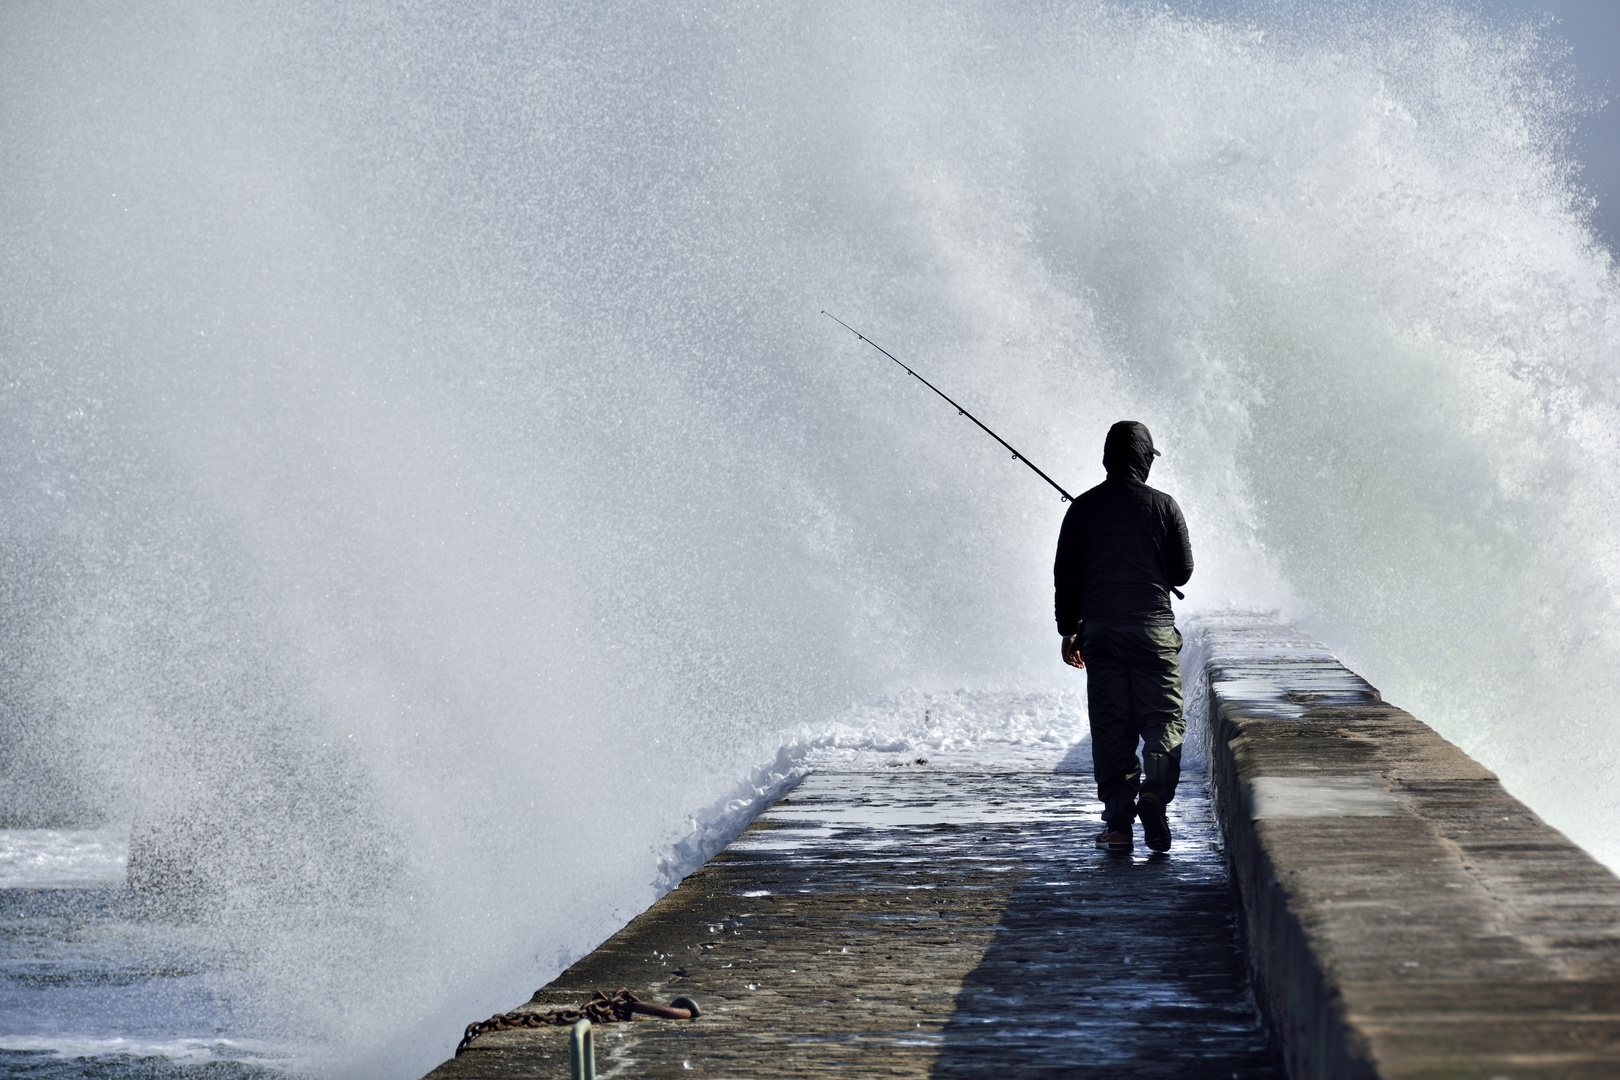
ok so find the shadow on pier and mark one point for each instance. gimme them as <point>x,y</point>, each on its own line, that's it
<point>1110,966</point>
<point>927,922</point>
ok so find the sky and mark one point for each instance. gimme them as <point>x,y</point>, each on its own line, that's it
<point>1592,28</point>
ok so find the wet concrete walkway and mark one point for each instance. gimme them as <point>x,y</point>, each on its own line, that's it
<point>925,922</point>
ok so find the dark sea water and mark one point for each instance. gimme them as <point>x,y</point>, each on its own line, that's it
<point>97,982</point>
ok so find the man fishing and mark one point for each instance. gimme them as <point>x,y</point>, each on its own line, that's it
<point>1122,550</point>
<point>1122,547</point>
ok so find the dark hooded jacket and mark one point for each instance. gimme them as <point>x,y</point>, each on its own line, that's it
<point>1123,544</point>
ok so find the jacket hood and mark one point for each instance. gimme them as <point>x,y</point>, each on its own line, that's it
<point>1128,451</point>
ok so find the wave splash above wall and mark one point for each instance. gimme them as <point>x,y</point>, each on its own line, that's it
<point>427,474</point>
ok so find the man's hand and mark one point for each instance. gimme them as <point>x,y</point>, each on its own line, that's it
<point>1071,651</point>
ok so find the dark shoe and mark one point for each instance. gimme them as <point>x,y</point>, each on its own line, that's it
<point>1155,829</point>
<point>1115,840</point>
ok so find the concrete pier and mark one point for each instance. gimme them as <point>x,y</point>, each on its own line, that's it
<point>925,922</point>
<point>1402,917</point>
<point>1406,917</point>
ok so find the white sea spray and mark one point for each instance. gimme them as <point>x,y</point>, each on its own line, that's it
<point>433,496</point>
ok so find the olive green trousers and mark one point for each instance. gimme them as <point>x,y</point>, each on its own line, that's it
<point>1133,692</point>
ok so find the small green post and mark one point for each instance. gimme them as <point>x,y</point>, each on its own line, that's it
<point>581,1052</point>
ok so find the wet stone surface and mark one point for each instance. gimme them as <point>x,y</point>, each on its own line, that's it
<point>925,922</point>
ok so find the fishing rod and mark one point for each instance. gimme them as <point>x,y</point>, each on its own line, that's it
<point>1016,455</point>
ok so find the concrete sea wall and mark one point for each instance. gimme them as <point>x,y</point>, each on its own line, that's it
<point>1405,916</point>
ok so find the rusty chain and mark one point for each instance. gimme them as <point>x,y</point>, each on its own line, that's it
<point>622,1007</point>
